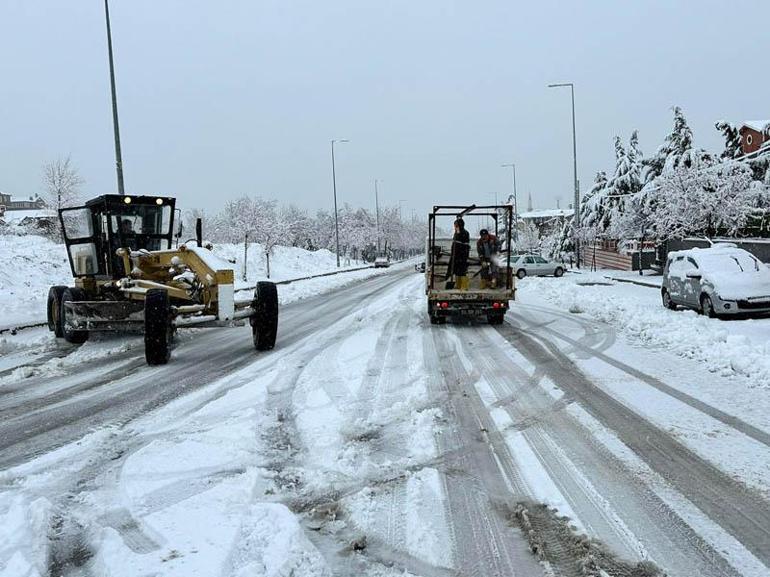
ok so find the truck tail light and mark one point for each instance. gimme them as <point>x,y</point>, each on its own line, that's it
<point>444,305</point>
<point>495,305</point>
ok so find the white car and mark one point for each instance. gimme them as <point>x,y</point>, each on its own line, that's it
<point>535,265</point>
<point>715,281</point>
<point>381,262</point>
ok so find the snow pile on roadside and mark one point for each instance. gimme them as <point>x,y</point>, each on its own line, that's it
<point>29,265</point>
<point>286,262</point>
<point>638,313</point>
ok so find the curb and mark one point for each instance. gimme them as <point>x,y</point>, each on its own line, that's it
<point>632,281</point>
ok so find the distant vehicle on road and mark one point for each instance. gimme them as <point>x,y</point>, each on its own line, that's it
<point>716,281</point>
<point>420,267</point>
<point>535,265</point>
<point>381,262</point>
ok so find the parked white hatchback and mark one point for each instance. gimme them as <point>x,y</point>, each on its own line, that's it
<point>535,265</point>
<point>720,280</point>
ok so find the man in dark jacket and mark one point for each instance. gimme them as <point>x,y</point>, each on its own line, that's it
<point>458,259</point>
<point>487,248</point>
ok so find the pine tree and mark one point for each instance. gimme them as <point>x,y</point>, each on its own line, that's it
<point>592,205</point>
<point>732,139</point>
<point>674,149</point>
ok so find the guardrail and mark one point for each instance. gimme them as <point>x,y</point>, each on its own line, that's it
<point>16,329</point>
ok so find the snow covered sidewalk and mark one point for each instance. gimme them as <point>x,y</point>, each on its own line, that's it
<point>735,347</point>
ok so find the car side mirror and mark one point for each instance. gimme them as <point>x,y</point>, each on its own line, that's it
<point>693,273</point>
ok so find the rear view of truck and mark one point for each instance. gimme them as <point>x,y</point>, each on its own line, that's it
<point>487,287</point>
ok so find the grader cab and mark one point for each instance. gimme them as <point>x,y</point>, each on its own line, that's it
<point>127,277</point>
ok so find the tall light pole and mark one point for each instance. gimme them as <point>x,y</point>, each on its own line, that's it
<point>334,185</point>
<point>574,166</point>
<point>377,213</point>
<point>118,155</point>
<point>515,203</point>
<point>401,227</point>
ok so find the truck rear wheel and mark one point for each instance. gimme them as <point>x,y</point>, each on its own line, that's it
<point>73,295</point>
<point>264,321</point>
<point>157,327</point>
<point>54,310</point>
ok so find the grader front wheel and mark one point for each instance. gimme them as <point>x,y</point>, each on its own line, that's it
<point>54,310</point>
<point>71,294</point>
<point>264,321</point>
<point>157,327</point>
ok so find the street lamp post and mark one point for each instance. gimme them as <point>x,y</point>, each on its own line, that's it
<point>334,185</point>
<point>515,203</point>
<point>118,155</point>
<point>574,166</point>
<point>377,213</point>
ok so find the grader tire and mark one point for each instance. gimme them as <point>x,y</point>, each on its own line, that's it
<point>54,310</point>
<point>157,327</point>
<point>71,294</point>
<point>264,321</point>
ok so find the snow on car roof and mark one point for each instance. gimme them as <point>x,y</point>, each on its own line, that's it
<point>719,248</point>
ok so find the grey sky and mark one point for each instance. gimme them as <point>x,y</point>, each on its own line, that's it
<point>219,99</point>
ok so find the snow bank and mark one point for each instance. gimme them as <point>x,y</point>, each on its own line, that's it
<point>29,265</point>
<point>286,262</point>
<point>729,347</point>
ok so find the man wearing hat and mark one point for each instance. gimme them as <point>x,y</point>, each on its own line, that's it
<point>487,247</point>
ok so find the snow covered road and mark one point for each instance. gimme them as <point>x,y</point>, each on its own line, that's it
<point>373,443</point>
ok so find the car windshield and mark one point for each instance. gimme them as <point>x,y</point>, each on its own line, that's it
<point>729,263</point>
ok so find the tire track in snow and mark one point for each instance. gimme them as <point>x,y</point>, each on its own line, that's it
<point>740,511</point>
<point>608,498</point>
<point>730,420</point>
<point>484,543</point>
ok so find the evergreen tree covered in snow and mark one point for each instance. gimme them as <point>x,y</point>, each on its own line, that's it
<point>625,183</point>
<point>674,149</point>
<point>732,139</point>
<point>593,204</point>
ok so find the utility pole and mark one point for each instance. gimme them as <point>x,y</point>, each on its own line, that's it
<point>574,167</point>
<point>377,213</point>
<point>118,155</point>
<point>334,184</point>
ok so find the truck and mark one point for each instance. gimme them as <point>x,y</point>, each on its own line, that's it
<point>127,277</point>
<point>490,279</point>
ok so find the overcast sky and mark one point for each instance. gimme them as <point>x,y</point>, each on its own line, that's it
<point>219,99</point>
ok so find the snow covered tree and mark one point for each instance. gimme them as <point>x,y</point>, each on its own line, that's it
<point>623,189</point>
<point>709,200</point>
<point>529,238</point>
<point>592,205</point>
<point>732,139</point>
<point>61,183</point>
<point>298,226</point>
<point>268,230</point>
<point>675,147</point>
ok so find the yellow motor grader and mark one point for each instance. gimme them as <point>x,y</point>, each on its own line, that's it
<point>129,278</point>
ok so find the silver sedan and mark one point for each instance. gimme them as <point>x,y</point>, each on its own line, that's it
<point>535,265</point>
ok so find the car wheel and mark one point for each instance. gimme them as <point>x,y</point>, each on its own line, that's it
<point>707,307</point>
<point>521,273</point>
<point>558,272</point>
<point>667,302</point>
